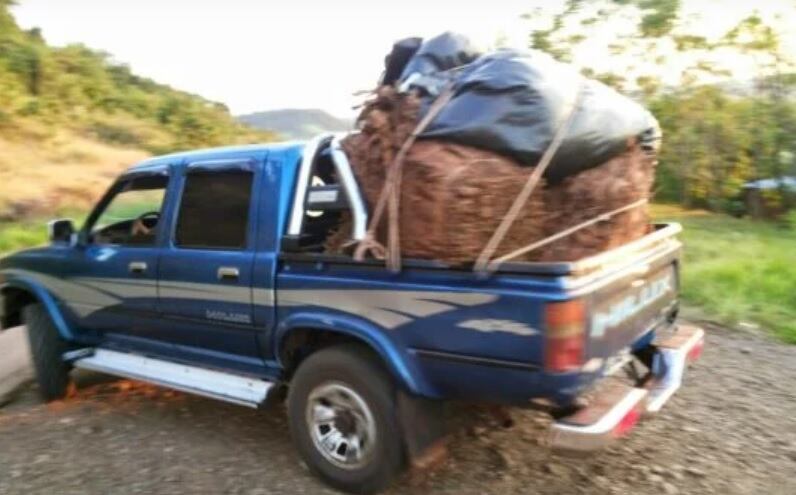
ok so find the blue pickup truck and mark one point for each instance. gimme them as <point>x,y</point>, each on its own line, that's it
<point>206,272</point>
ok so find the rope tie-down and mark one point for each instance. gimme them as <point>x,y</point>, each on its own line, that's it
<point>388,201</point>
<point>390,196</point>
<point>482,262</point>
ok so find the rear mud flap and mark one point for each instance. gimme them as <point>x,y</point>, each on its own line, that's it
<point>423,425</point>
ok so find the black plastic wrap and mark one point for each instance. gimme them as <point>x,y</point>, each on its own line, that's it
<point>513,102</point>
<point>395,63</point>
<point>441,53</point>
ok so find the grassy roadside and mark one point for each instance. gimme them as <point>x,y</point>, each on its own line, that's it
<point>42,171</point>
<point>15,236</point>
<point>33,231</point>
<point>46,173</point>
<point>737,270</point>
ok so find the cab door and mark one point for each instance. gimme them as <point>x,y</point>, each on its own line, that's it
<point>205,271</point>
<point>110,277</point>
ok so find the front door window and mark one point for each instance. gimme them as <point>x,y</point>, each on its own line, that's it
<point>131,216</point>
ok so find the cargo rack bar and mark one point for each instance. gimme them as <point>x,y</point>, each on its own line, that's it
<point>347,180</point>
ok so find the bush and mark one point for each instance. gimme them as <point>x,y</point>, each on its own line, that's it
<point>22,235</point>
<point>790,220</point>
<point>115,134</point>
<point>738,270</point>
<point>30,108</point>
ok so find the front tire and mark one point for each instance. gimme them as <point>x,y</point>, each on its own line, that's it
<point>47,349</point>
<point>342,414</point>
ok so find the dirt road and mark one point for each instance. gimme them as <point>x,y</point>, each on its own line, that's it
<point>730,430</point>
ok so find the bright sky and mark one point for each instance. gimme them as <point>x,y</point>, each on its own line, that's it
<point>261,55</point>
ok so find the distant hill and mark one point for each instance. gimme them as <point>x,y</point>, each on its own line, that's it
<point>295,123</point>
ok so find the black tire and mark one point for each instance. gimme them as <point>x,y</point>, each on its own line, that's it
<point>47,348</point>
<point>356,368</point>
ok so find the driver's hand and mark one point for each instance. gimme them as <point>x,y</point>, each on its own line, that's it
<point>140,229</point>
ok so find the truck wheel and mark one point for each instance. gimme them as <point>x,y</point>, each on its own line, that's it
<point>47,348</point>
<point>341,408</point>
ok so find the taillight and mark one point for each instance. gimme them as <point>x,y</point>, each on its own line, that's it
<point>627,423</point>
<point>696,351</point>
<point>565,335</point>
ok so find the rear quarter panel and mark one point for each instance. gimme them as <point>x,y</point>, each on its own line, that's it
<point>455,335</point>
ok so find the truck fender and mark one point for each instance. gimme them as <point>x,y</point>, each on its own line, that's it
<point>401,366</point>
<point>43,297</point>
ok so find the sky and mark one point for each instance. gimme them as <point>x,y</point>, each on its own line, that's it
<point>262,55</point>
<point>256,55</point>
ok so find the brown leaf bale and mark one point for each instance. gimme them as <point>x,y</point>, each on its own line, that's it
<point>385,123</point>
<point>618,182</point>
<point>453,197</point>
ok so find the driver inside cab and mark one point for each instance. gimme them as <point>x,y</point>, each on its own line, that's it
<point>131,214</point>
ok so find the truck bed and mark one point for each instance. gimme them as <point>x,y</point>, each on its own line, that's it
<point>662,238</point>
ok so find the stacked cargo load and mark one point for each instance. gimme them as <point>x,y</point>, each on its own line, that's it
<point>453,142</point>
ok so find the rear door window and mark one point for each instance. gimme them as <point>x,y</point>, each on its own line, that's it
<point>214,210</point>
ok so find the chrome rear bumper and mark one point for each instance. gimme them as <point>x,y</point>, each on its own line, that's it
<point>617,407</point>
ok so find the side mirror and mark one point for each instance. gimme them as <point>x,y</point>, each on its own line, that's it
<point>61,230</point>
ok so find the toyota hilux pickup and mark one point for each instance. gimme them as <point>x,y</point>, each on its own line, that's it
<point>206,272</point>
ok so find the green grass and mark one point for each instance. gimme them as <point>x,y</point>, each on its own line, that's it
<point>32,232</point>
<point>737,270</point>
<point>15,236</point>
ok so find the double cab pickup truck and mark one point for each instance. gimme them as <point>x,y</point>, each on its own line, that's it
<point>206,272</point>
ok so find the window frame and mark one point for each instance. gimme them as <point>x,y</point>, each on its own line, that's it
<point>113,191</point>
<point>215,167</point>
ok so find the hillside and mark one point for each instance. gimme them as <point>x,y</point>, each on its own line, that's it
<point>71,118</point>
<point>296,123</point>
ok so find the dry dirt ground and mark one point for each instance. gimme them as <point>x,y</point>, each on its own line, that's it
<point>730,430</point>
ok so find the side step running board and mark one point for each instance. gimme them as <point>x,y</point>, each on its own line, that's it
<point>237,389</point>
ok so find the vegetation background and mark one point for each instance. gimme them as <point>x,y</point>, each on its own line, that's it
<point>726,102</point>
<point>71,119</point>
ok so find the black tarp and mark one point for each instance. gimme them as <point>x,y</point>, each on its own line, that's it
<point>441,53</point>
<point>395,63</point>
<point>512,102</point>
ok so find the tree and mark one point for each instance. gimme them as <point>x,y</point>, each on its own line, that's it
<point>718,134</point>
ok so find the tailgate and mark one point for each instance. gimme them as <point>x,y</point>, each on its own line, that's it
<point>632,303</point>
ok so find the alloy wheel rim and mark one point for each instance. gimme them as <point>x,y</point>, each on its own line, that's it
<point>341,425</point>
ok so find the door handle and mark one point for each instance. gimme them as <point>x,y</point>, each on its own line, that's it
<point>137,267</point>
<point>228,273</point>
